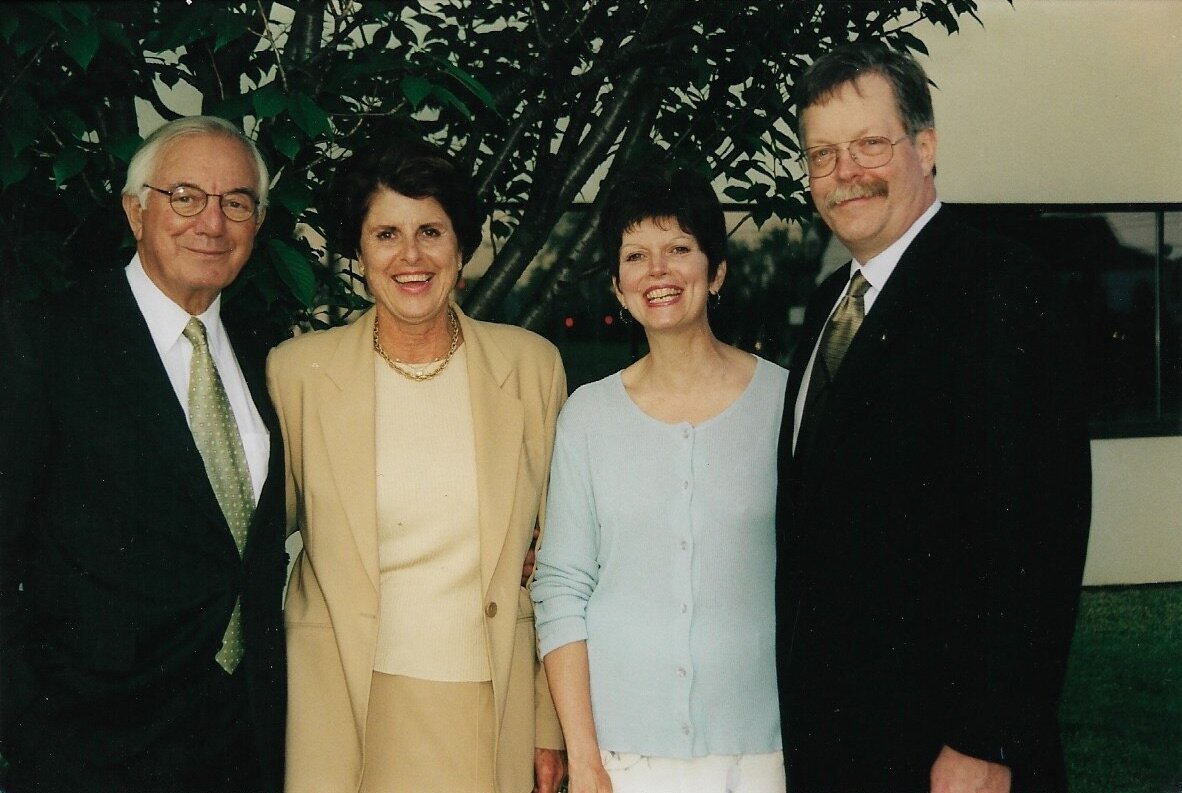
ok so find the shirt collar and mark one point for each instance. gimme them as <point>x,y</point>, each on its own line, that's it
<point>166,320</point>
<point>879,268</point>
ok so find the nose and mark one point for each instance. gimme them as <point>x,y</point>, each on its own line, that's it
<point>410,250</point>
<point>846,165</point>
<point>211,219</point>
<point>657,263</point>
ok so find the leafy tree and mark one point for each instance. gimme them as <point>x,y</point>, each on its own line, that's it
<point>541,99</point>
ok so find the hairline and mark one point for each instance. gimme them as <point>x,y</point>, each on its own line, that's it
<point>147,158</point>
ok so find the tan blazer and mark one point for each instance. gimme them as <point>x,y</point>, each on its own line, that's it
<point>322,385</point>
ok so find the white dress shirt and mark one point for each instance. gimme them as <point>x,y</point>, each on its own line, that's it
<point>876,272</point>
<point>166,322</point>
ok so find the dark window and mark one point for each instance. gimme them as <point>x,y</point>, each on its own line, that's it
<point>1120,267</point>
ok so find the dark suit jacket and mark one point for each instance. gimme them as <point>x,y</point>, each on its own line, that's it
<point>933,527</point>
<point>118,571</point>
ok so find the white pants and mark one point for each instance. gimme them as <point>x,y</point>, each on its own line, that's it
<point>735,773</point>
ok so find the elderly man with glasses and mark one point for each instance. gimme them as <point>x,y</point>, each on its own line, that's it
<point>141,502</point>
<point>935,483</point>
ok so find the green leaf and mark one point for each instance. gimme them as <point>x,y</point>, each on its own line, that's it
<point>285,141</point>
<point>911,42</point>
<point>69,120</point>
<point>69,164</point>
<point>736,193</point>
<point>114,32</point>
<point>472,84</point>
<point>232,107</point>
<point>307,116</point>
<point>416,89</point>
<point>51,11</point>
<point>80,11</point>
<point>295,270</point>
<point>447,97</point>
<point>228,27</point>
<point>8,26</point>
<point>122,147</point>
<point>180,28</point>
<point>21,121</point>
<point>294,196</point>
<point>12,168</point>
<point>268,100</point>
<point>81,43</point>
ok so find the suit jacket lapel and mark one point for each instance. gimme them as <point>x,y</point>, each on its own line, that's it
<point>498,423</point>
<point>816,314</point>
<point>347,415</point>
<point>901,303</point>
<point>148,400</point>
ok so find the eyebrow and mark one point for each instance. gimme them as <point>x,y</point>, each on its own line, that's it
<point>248,190</point>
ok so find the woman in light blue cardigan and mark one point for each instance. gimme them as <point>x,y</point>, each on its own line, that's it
<point>655,576</point>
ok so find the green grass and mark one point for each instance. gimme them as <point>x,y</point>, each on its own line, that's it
<point>1121,716</point>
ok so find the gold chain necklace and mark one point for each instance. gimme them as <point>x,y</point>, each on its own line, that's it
<point>403,368</point>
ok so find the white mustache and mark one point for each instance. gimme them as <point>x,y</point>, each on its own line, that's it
<point>873,189</point>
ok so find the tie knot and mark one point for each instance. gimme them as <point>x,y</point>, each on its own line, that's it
<point>858,285</point>
<point>195,332</point>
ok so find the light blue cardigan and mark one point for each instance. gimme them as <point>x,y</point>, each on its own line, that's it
<point>659,550</point>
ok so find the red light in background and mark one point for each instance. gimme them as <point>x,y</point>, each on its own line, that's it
<point>608,319</point>
<point>569,322</point>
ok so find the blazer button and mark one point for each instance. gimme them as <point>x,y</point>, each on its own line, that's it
<point>490,611</point>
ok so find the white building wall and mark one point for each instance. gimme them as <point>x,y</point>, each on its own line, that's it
<point>1076,101</point>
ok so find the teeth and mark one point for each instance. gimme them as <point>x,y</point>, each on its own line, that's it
<point>415,278</point>
<point>660,294</point>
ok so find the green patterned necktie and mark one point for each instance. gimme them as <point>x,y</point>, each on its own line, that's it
<point>216,434</point>
<point>835,341</point>
<point>844,324</point>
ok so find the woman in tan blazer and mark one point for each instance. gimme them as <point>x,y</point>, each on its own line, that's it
<point>418,445</point>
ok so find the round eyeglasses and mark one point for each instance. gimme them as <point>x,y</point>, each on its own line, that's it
<point>188,201</point>
<point>873,151</point>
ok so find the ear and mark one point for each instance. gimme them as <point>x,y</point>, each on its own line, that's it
<point>925,144</point>
<point>616,289</point>
<point>134,213</point>
<point>261,214</point>
<point>719,276</point>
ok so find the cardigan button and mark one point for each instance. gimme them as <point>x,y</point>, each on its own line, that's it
<point>490,611</point>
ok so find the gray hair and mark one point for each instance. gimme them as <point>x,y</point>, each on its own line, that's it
<point>143,162</point>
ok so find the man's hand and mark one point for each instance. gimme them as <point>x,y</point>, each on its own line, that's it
<point>527,569</point>
<point>954,772</point>
<point>549,769</point>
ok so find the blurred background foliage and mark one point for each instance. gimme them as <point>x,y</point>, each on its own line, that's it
<point>542,99</point>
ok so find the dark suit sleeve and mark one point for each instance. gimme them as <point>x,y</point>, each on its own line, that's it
<point>1025,454</point>
<point>23,449</point>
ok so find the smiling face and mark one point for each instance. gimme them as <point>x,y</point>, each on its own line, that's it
<point>663,279</point>
<point>411,259</point>
<point>870,208</point>
<point>192,259</point>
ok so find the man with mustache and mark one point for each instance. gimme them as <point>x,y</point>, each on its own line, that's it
<point>935,479</point>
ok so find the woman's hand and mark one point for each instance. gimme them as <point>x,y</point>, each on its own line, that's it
<point>569,677</point>
<point>589,777</point>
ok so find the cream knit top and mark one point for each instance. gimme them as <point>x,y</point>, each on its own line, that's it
<point>430,620</point>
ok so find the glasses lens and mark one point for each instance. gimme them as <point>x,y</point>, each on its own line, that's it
<point>872,152</point>
<point>239,206</point>
<point>187,201</point>
<point>820,160</point>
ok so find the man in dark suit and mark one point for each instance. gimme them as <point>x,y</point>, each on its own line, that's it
<point>934,473</point>
<point>141,502</point>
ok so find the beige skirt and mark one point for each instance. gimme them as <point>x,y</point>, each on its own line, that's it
<point>424,736</point>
